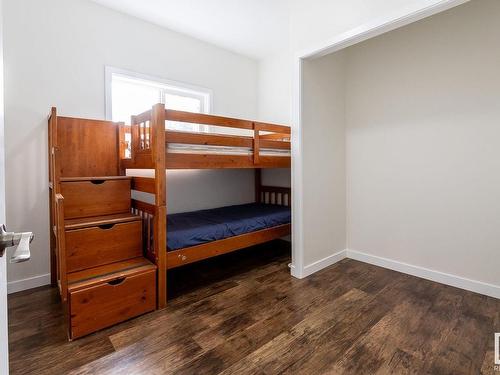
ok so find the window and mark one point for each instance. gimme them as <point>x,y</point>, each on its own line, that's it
<point>129,93</point>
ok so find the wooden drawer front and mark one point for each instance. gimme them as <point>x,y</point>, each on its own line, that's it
<point>96,246</point>
<point>105,304</point>
<point>95,198</point>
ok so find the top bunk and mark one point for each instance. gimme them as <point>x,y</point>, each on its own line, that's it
<point>225,142</point>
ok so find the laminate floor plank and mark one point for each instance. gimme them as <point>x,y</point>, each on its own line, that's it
<point>242,313</point>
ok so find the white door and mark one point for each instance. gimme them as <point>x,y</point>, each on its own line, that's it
<point>4,351</point>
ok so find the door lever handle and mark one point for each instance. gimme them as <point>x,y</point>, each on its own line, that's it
<point>22,240</point>
<point>22,252</point>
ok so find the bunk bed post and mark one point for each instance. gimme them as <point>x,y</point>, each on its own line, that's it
<point>258,184</point>
<point>61,246</point>
<point>122,147</point>
<point>57,243</point>
<point>256,143</point>
<point>52,186</point>
<point>134,137</point>
<point>160,218</point>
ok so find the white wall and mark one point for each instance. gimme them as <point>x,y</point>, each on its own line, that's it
<point>55,53</point>
<point>274,99</point>
<point>274,89</point>
<point>314,22</point>
<point>185,188</point>
<point>423,133</point>
<point>323,157</point>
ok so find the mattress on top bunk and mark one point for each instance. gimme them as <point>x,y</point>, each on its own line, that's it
<point>199,227</point>
<point>223,150</point>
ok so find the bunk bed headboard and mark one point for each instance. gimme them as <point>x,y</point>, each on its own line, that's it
<point>266,194</point>
<point>275,195</point>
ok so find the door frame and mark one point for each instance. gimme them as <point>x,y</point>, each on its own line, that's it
<point>354,36</point>
<point>4,342</point>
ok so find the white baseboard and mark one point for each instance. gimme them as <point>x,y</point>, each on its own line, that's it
<point>425,273</point>
<point>294,271</point>
<point>29,283</point>
<point>323,263</point>
<point>428,274</point>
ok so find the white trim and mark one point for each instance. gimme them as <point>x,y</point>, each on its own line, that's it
<point>359,34</point>
<point>409,269</point>
<point>297,183</point>
<point>28,283</point>
<point>428,274</point>
<point>4,329</point>
<point>206,93</point>
<point>497,348</point>
<point>323,263</point>
<point>378,27</point>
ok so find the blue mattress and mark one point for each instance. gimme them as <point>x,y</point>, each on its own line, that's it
<point>198,227</point>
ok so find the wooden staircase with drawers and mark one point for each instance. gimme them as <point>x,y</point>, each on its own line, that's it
<point>96,241</point>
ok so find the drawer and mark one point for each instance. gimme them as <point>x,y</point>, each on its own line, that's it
<point>104,244</point>
<point>95,197</point>
<point>112,301</point>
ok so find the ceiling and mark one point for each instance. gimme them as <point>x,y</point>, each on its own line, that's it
<point>255,28</point>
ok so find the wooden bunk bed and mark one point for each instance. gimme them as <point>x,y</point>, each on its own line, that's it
<point>149,147</point>
<point>96,155</point>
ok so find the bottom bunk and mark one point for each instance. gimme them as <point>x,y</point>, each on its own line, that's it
<point>193,236</point>
<point>198,235</point>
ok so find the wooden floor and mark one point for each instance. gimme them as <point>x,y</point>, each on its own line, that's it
<point>244,314</point>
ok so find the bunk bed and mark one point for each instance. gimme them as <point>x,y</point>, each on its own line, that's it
<point>110,253</point>
<point>178,239</point>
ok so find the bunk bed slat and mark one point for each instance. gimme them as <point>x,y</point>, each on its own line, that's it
<point>208,139</point>
<point>280,145</point>
<point>202,118</point>
<point>276,137</point>
<point>145,184</point>
<point>145,116</point>
<point>216,161</point>
<point>140,161</point>
<point>281,129</point>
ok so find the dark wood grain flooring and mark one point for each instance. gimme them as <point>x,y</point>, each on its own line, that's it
<point>244,314</point>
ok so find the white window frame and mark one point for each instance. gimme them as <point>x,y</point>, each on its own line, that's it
<point>174,87</point>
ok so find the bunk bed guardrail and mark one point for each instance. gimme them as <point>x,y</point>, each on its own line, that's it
<point>267,147</point>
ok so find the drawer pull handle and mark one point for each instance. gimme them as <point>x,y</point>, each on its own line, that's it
<point>106,226</point>
<point>97,182</point>
<point>117,281</point>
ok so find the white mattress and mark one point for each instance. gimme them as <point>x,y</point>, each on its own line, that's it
<point>222,150</point>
